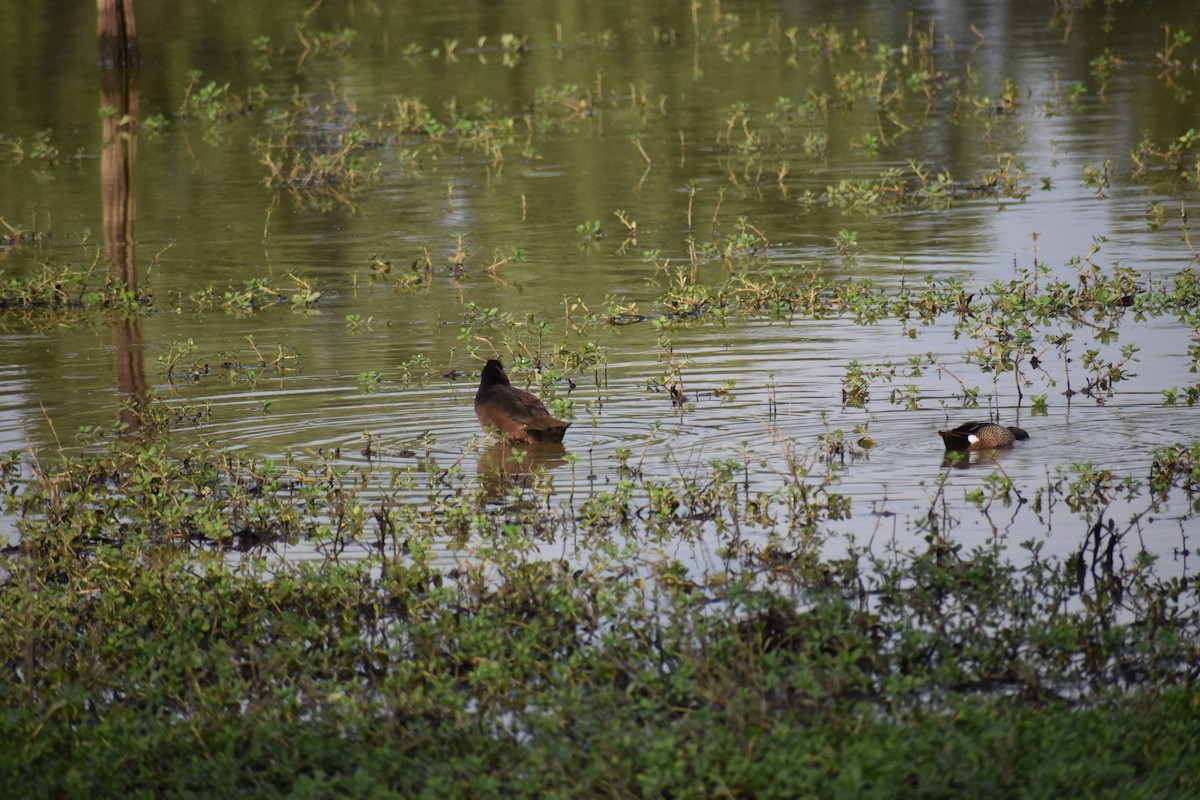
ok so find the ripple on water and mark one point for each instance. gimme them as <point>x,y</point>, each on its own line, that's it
<point>316,413</point>
<point>763,397</point>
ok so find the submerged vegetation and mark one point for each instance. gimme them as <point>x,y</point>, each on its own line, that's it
<point>720,585</point>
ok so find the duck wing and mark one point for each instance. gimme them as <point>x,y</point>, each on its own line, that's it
<point>981,435</point>
<point>518,413</point>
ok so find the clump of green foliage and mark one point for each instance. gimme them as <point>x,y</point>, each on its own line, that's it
<point>154,641</point>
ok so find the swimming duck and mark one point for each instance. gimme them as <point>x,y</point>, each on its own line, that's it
<point>981,436</point>
<point>516,413</point>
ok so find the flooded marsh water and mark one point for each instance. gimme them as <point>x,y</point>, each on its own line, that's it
<point>416,190</point>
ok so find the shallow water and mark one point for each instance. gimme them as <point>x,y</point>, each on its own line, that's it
<point>205,217</point>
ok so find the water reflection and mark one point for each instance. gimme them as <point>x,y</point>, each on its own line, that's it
<point>504,466</point>
<point>423,274</point>
<point>118,193</point>
<point>962,459</point>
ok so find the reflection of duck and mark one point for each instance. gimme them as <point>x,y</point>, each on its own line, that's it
<point>981,436</point>
<point>516,413</point>
<point>502,463</point>
<point>963,459</point>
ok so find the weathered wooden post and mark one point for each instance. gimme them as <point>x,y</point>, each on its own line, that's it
<point>118,34</point>
<point>119,61</point>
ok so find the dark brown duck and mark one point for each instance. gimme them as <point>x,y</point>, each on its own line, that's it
<point>981,436</point>
<point>516,413</point>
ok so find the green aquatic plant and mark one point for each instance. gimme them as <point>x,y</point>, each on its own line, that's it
<point>418,369</point>
<point>590,229</point>
<point>214,102</point>
<point>1172,41</point>
<point>280,360</point>
<point>324,42</point>
<point>61,294</point>
<point>1178,155</point>
<point>255,294</point>
<point>180,361</point>
<point>19,237</point>
<point>1098,178</point>
<point>369,381</point>
<point>39,150</point>
<point>318,150</point>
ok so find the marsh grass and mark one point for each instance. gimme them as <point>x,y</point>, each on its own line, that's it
<point>154,639</point>
<point>179,618</point>
<point>692,635</point>
<point>1043,330</point>
<point>1024,329</point>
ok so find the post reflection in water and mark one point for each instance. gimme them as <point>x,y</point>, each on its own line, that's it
<point>118,188</point>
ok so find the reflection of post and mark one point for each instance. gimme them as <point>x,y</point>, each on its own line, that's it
<point>118,186</point>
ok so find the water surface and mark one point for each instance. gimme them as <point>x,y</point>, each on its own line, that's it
<point>719,104</point>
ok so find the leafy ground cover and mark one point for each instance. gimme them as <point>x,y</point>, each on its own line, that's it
<point>145,654</point>
<point>449,635</point>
